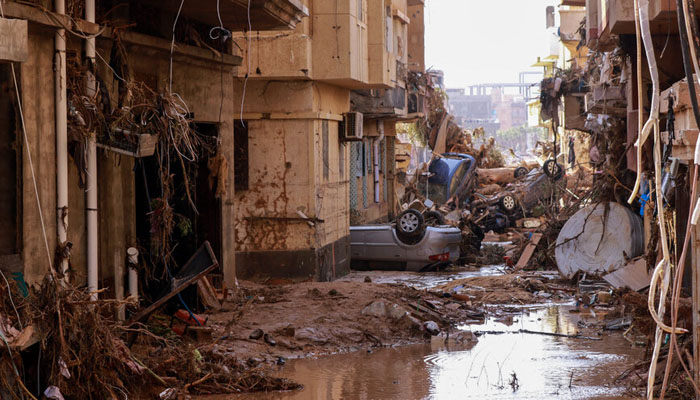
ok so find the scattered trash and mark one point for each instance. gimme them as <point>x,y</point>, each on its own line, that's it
<point>431,327</point>
<point>168,394</point>
<point>53,393</point>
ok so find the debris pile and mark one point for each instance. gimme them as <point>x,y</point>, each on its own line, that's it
<point>84,352</point>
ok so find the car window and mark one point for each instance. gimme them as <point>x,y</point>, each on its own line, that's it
<point>457,177</point>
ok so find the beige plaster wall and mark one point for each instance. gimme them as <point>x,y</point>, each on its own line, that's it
<point>37,87</point>
<point>286,167</point>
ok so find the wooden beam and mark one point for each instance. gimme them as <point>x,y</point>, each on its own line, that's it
<point>529,251</point>
<point>179,286</point>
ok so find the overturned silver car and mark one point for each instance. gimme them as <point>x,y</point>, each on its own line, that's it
<point>381,247</point>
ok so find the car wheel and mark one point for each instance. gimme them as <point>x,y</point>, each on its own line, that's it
<point>552,169</point>
<point>507,203</point>
<point>409,223</point>
<point>520,172</point>
<point>433,218</point>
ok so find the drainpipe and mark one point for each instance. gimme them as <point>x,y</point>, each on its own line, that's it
<point>133,256</point>
<point>91,192</point>
<point>380,129</point>
<point>61,136</point>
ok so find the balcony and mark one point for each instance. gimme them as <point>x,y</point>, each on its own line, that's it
<point>380,103</point>
<point>569,25</point>
<point>264,14</point>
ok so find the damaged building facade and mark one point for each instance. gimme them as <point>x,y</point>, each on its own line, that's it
<point>316,110</point>
<point>104,88</point>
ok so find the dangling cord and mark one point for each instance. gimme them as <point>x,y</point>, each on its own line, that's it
<point>640,115</point>
<point>653,124</point>
<point>688,31</point>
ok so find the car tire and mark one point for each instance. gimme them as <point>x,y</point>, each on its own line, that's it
<point>410,223</point>
<point>507,203</point>
<point>433,217</point>
<point>552,169</point>
<point>520,172</point>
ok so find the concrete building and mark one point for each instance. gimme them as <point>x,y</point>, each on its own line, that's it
<point>494,110</point>
<point>300,177</point>
<point>97,203</point>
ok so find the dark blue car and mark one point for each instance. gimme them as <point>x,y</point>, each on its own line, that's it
<point>452,179</point>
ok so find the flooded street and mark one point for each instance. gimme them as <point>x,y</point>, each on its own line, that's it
<point>546,367</point>
<point>422,280</point>
<point>505,363</point>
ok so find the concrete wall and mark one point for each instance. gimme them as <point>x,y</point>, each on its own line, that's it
<point>416,36</point>
<point>37,88</point>
<point>287,172</point>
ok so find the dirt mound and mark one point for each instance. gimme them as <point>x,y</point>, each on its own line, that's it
<point>328,317</point>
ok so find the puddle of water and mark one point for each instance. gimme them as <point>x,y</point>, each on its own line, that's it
<point>421,280</point>
<point>546,367</point>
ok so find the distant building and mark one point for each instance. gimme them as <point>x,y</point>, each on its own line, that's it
<point>493,112</point>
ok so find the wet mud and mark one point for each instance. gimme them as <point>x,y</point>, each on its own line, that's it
<point>508,365</point>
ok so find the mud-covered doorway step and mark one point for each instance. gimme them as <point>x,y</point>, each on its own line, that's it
<point>196,209</point>
<point>9,176</point>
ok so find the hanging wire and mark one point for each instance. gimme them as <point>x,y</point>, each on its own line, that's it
<point>247,74</point>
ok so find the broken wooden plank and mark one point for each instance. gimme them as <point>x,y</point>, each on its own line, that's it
<point>529,251</point>
<point>189,275</point>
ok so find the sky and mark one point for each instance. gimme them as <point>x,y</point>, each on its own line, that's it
<point>484,41</point>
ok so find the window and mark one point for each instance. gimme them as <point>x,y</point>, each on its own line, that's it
<point>324,139</point>
<point>367,147</point>
<point>389,31</point>
<point>360,11</point>
<point>550,16</point>
<point>240,155</point>
<point>458,177</point>
<point>341,161</point>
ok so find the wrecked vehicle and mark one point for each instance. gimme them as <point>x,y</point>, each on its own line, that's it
<point>519,199</point>
<point>384,247</point>
<point>450,180</point>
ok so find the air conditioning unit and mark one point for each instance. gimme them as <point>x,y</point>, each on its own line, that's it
<point>351,127</point>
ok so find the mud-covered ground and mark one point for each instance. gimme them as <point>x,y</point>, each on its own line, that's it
<point>307,319</point>
<point>269,324</point>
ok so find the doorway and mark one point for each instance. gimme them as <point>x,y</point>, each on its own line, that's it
<point>9,173</point>
<point>196,210</point>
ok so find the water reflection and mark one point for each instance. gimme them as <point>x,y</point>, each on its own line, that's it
<point>421,280</point>
<point>545,366</point>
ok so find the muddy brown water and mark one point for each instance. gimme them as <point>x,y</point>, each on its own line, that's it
<point>546,367</point>
<point>421,280</point>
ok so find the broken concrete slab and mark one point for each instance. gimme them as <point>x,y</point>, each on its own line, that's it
<point>633,275</point>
